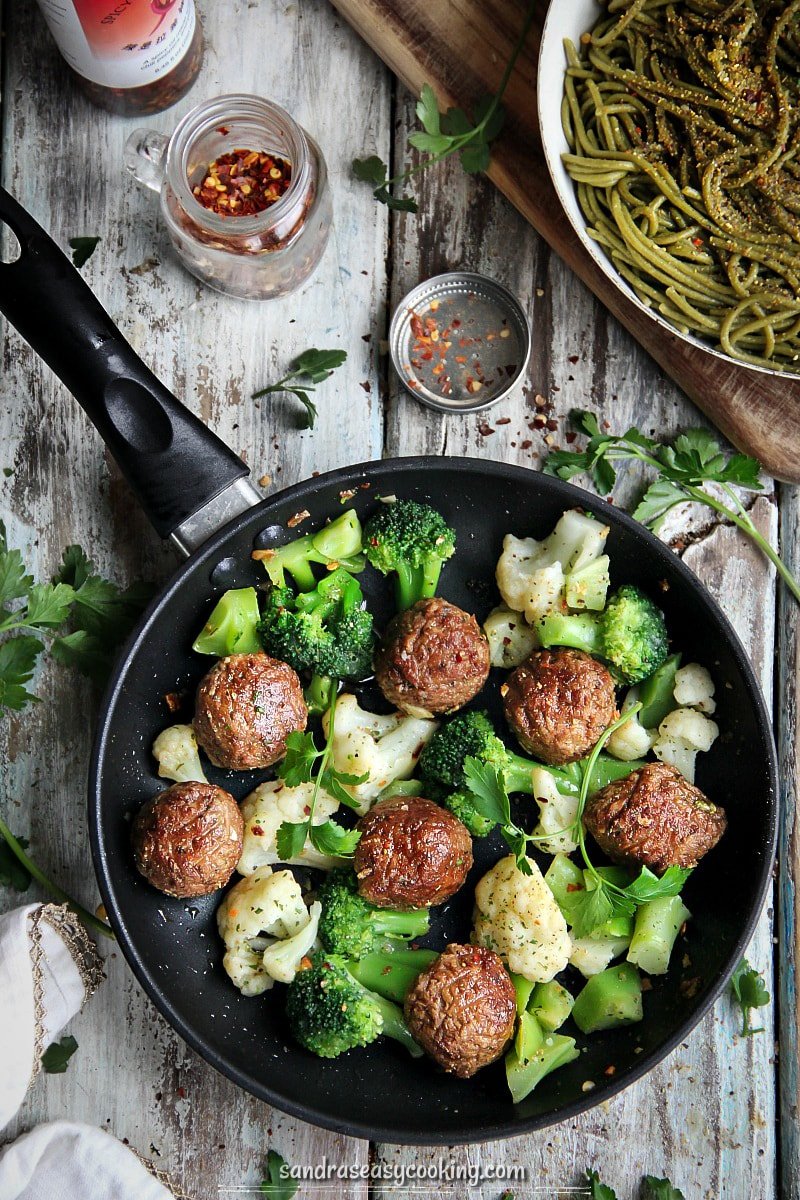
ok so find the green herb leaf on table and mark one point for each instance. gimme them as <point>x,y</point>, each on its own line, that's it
<point>17,661</point>
<point>749,991</point>
<point>369,170</point>
<point>313,365</point>
<point>12,873</point>
<point>57,1055</point>
<point>659,1189</point>
<point>82,249</point>
<point>279,1185</point>
<point>598,1190</point>
<point>682,469</point>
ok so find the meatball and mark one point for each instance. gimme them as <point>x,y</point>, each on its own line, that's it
<point>434,658</point>
<point>412,853</point>
<point>655,818</point>
<point>462,1009</point>
<point>246,707</point>
<point>188,839</point>
<point>558,702</point>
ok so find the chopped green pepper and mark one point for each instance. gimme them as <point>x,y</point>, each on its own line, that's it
<point>551,1004</point>
<point>658,923</point>
<point>610,999</point>
<point>656,693</point>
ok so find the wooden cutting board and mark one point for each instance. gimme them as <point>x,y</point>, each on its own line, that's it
<point>460,47</point>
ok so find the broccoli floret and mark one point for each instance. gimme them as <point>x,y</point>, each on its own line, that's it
<point>326,630</point>
<point>630,634</point>
<point>471,735</point>
<point>330,1012</point>
<point>339,543</point>
<point>350,926</point>
<point>462,805</point>
<point>413,541</point>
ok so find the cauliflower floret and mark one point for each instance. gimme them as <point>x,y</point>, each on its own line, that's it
<point>517,916</point>
<point>175,751</point>
<point>532,575</point>
<point>282,959</point>
<point>557,813</point>
<point>510,638</point>
<point>385,748</point>
<point>682,735</point>
<point>265,810</point>
<point>694,688</point>
<point>266,905</point>
<point>631,740</point>
<point>592,955</point>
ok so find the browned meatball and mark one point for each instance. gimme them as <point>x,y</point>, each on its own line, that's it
<point>188,839</point>
<point>558,702</point>
<point>412,853</point>
<point>655,818</point>
<point>433,659</point>
<point>246,707</point>
<point>462,1009</point>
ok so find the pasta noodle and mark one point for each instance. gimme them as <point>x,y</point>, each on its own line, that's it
<point>683,124</point>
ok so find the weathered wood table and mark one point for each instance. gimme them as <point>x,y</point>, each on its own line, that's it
<point>708,1117</point>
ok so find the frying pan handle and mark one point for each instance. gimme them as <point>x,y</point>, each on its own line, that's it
<point>173,463</point>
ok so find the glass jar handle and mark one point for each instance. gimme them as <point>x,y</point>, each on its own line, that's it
<point>144,155</point>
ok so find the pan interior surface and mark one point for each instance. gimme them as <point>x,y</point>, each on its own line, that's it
<point>380,1092</point>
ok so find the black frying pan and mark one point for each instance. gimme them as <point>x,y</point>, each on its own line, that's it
<point>194,489</point>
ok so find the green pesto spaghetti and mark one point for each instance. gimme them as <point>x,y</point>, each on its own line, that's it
<point>683,122</point>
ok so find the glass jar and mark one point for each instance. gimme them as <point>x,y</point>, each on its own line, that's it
<point>257,257</point>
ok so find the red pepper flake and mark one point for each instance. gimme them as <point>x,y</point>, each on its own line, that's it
<point>298,518</point>
<point>243,183</point>
<point>172,701</point>
<point>223,129</point>
<point>570,436</point>
<point>610,1070</point>
<point>575,887</point>
<point>573,358</point>
<point>484,429</point>
<point>526,445</point>
<point>552,424</point>
<point>181,1092</point>
<point>503,421</point>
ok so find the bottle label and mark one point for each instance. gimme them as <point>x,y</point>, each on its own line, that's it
<point>121,43</point>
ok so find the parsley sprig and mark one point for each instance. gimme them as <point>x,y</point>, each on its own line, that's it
<point>683,468</point>
<point>444,134</point>
<point>312,365</point>
<point>749,992</point>
<point>603,900</point>
<point>302,755</point>
<point>27,869</point>
<point>85,615</point>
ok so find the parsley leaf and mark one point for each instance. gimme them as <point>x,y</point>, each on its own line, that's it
<point>82,249</point>
<point>598,1190</point>
<point>313,365</point>
<point>659,1189</point>
<point>332,838</point>
<point>57,1055</point>
<point>591,908</point>
<point>682,469</point>
<point>369,170</point>
<point>750,992</point>
<point>14,580</point>
<point>291,839</point>
<point>648,886</point>
<point>17,660</point>
<point>487,790</point>
<point>12,873</point>
<point>298,764</point>
<point>278,1184</point>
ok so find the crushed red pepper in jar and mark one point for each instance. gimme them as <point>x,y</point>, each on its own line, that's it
<point>243,183</point>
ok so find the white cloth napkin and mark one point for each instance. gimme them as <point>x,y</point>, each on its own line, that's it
<point>49,967</point>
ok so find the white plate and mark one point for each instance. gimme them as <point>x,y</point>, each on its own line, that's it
<point>569,19</point>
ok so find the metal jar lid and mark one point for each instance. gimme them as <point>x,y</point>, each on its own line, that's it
<point>459,342</point>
